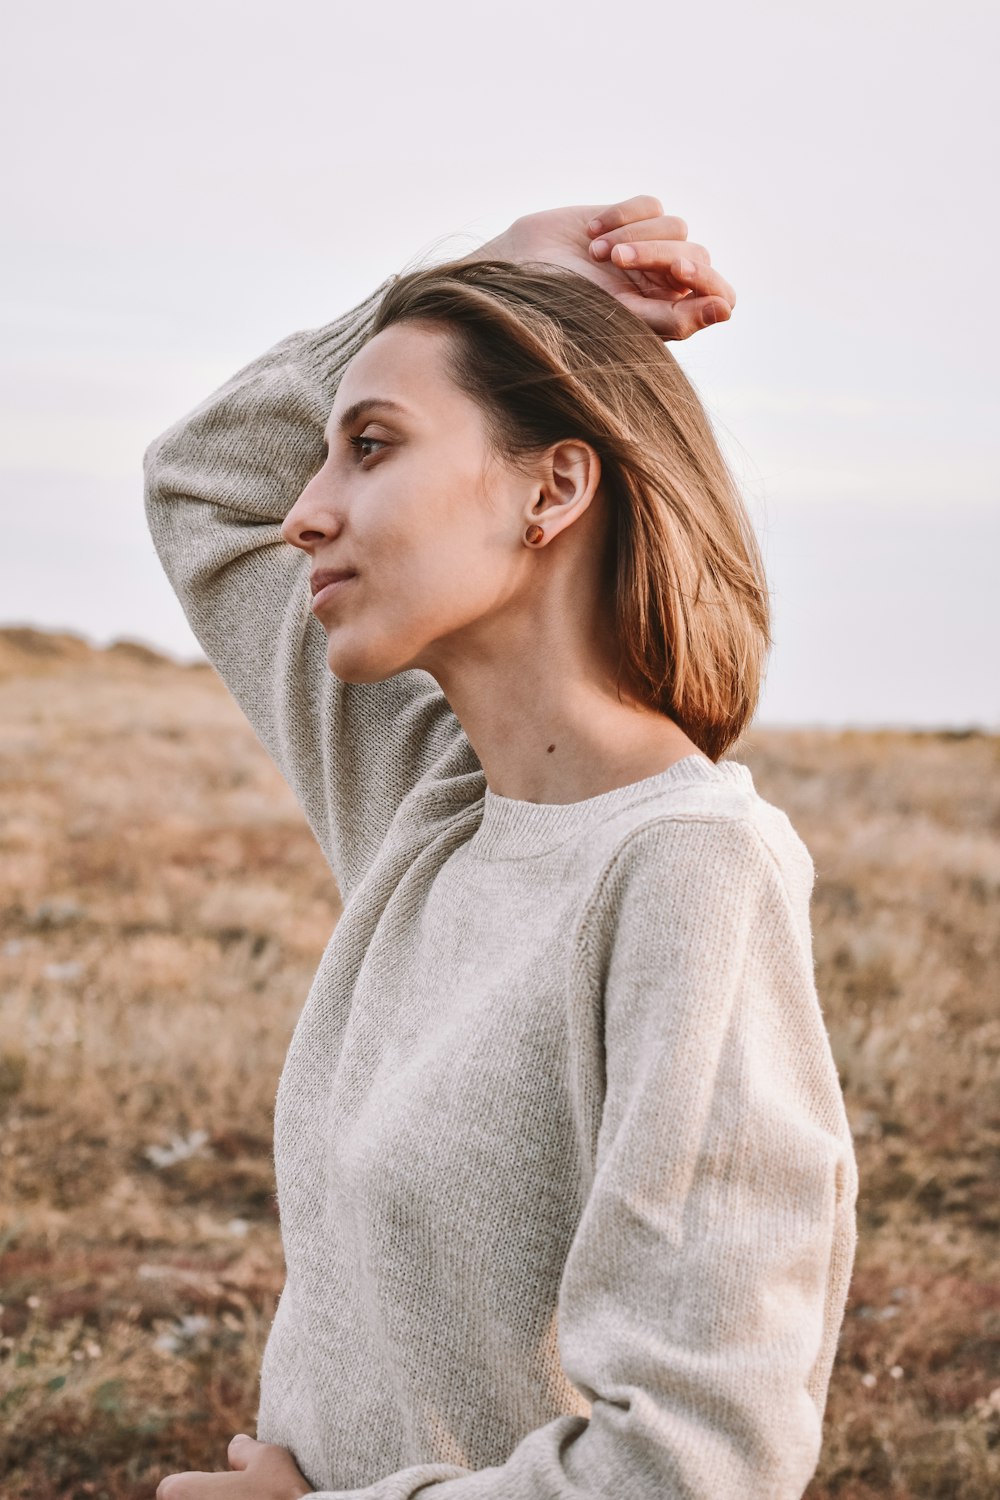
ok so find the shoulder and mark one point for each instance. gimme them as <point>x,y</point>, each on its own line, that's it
<point>716,810</point>
<point>700,851</point>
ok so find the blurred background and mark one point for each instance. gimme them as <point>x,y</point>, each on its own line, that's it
<point>186,183</point>
<point>183,185</point>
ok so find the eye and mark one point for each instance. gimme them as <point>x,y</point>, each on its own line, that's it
<point>361,442</point>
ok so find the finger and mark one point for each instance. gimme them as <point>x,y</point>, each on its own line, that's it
<point>662,229</point>
<point>653,256</point>
<point>703,280</point>
<point>615,215</point>
<point>241,1450</point>
<point>677,320</point>
<point>198,1485</point>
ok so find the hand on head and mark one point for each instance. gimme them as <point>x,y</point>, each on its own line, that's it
<point>635,252</point>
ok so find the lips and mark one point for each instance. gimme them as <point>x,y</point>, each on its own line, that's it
<point>328,583</point>
<point>323,576</point>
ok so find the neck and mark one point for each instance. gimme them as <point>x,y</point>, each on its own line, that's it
<point>540,705</point>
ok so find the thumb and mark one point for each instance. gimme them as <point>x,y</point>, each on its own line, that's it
<point>241,1450</point>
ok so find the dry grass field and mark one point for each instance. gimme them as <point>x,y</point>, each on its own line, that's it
<point>163,910</point>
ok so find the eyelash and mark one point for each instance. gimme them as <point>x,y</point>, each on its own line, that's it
<point>356,442</point>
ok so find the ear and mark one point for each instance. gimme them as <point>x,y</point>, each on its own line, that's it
<point>566,483</point>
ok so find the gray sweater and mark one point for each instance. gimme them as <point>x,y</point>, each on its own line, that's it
<point>566,1184</point>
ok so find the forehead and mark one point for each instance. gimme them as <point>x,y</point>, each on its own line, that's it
<point>406,362</point>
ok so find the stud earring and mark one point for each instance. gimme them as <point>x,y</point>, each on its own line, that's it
<point>534,534</point>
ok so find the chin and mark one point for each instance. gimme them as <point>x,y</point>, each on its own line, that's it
<point>365,665</point>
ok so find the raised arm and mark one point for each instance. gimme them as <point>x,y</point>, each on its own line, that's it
<point>219,483</point>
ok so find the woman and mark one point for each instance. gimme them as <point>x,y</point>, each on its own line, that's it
<point>564,1173</point>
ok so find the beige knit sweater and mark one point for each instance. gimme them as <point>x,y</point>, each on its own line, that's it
<point>566,1184</point>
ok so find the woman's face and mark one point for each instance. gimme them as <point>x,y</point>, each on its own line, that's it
<point>412,502</point>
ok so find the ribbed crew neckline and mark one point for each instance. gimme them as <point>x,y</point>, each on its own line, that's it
<point>514,829</point>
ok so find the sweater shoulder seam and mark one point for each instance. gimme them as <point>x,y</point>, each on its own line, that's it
<point>583,927</point>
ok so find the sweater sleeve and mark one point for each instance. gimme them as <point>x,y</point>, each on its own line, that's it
<point>218,485</point>
<point>705,1285</point>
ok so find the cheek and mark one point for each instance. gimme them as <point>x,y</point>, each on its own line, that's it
<point>457,572</point>
<point>417,596</point>
<point>436,551</point>
<point>433,547</point>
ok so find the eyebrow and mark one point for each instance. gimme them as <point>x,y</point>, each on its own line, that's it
<point>368,403</point>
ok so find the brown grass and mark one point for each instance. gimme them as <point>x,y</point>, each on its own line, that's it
<point>164,908</point>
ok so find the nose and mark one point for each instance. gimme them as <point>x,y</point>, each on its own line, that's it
<point>312,519</point>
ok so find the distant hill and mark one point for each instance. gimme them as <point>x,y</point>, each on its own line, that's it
<point>28,652</point>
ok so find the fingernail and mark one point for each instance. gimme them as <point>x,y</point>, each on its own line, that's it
<point>600,247</point>
<point>710,314</point>
<point>594,225</point>
<point>626,252</point>
<point>686,268</point>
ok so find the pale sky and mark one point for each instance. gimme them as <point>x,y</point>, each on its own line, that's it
<point>187,183</point>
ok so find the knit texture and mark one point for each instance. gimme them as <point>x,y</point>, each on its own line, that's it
<point>566,1184</point>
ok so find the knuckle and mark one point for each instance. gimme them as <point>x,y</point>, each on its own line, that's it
<point>627,234</point>
<point>715,286</point>
<point>687,323</point>
<point>642,206</point>
<point>672,228</point>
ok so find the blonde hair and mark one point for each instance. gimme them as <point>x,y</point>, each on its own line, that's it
<point>548,356</point>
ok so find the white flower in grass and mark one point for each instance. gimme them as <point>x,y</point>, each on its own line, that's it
<point>181,1148</point>
<point>183,1332</point>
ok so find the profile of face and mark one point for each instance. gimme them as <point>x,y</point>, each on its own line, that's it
<point>412,502</point>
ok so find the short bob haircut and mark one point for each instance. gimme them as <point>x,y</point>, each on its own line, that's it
<point>549,356</point>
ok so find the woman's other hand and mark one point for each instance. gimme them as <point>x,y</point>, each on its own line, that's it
<point>257,1471</point>
<point>633,250</point>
